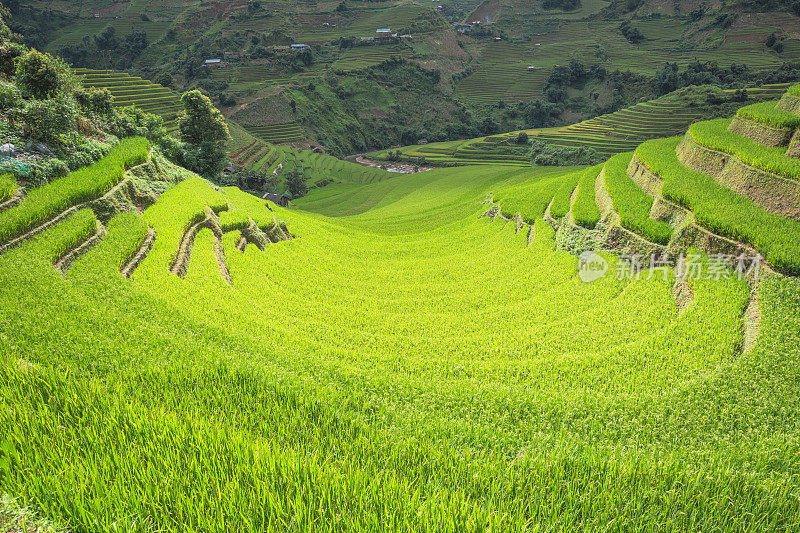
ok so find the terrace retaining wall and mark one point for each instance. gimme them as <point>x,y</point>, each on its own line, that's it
<point>761,133</point>
<point>772,192</point>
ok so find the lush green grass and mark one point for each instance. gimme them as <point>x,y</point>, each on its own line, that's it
<point>283,401</point>
<point>714,134</point>
<point>632,203</point>
<point>124,233</point>
<point>585,209</point>
<point>766,113</point>
<point>794,90</point>
<point>7,186</point>
<point>721,210</point>
<point>79,186</point>
<point>179,208</point>
<point>561,201</point>
<point>531,197</point>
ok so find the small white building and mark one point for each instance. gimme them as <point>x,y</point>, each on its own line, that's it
<point>212,62</point>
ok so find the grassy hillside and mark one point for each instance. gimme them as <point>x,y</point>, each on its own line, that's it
<point>488,347</point>
<point>355,368</point>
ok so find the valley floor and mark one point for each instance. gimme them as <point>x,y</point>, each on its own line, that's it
<point>401,364</point>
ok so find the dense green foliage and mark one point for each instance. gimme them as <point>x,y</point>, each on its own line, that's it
<point>43,76</point>
<point>721,210</point>
<point>632,203</point>
<point>714,134</point>
<point>585,209</point>
<point>766,113</point>
<point>82,185</point>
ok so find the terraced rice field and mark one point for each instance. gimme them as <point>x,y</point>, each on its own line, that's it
<point>367,56</point>
<point>366,19</point>
<point>279,133</point>
<point>502,74</point>
<point>134,91</point>
<point>91,27</point>
<point>406,354</point>
<point>621,131</point>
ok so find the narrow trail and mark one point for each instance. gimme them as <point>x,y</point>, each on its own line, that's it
<point>140,254</point>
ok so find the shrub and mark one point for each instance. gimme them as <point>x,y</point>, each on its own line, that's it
<point>522,138</point>
<point>10,96</point>
<point>95,100</point>
<point>43,76</point>
<point>47,171</point>
<point>9,52</point>
<point>45,120</point>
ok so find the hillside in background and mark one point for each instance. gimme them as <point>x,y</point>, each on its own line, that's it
<point>527,65</point>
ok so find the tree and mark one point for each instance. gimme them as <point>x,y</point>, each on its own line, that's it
<point>43,76</point>
<point>107,40</point>
<point>632,34</point>
<point>165,79</point>
<point>203,127</point>
<point>296,183</point>
<point>522,138</point>
<point>202,121</point>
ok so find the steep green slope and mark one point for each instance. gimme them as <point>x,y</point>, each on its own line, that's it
<point>387,369</point>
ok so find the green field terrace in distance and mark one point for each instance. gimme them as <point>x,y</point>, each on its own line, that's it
<point>617,132</point>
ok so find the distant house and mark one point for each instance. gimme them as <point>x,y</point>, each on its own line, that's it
<point>463,28</point>
<point>212,62</point>
<point>383,32</point>
<point>277,199</point>
<point>498,39</point>
<point>532,68</point>
<point>300,46</point>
